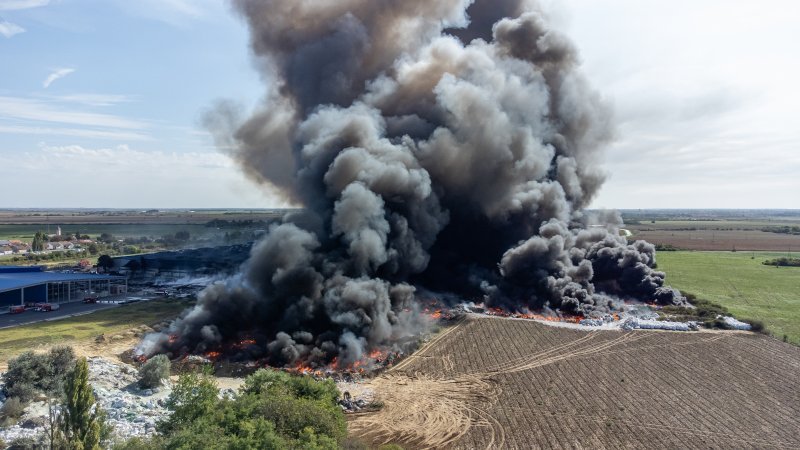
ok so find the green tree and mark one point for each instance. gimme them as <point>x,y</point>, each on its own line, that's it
<point>82,422</point>
<point>93,249</point>
<point>193,397</point>
<point>272,411</point>
<point>105,262</point>
<point>39,242</point>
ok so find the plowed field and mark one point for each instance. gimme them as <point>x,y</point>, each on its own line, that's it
<point>500,383</point>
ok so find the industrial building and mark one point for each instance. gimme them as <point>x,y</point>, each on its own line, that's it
<point>28,285</point>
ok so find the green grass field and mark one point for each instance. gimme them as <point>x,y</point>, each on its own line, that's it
<point>736,280</point>
<point>26,232</point>
<point>14,341</point>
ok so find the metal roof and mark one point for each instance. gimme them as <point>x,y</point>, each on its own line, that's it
<point>13,281</point>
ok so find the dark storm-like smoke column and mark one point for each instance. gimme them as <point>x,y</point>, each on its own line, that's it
<point>445,145</point>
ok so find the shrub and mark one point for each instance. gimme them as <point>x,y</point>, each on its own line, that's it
<point>137,444</point>
<point>26,374</point>
<point>352,443</point>
<point>12,409</point>
<point>193,397</point>
<point>154,371</point>
<point>274,410</point>
<point>25,443</point>
<point>31,373</point>
<point>23,391</point>
<point>757,326</point>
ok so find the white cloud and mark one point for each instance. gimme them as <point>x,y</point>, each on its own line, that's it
<point>35,110</point>
<point>185,7</point>
<point>116,135</point>
<point>705,101</point>
<point>6,5</point>
<point>179,13</point>
<point>9,29</point>
<point>56,74</point>
<point>94,99</point>
<point>122,176</point>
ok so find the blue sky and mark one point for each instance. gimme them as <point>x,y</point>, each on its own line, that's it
<point>100,101</point>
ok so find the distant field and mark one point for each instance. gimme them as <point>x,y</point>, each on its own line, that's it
<point>744,285</point>
<point>721,240</point>
<point>26,232</point>
<point>14,341</point>
<point>719,234</point>
<point>171,217</point>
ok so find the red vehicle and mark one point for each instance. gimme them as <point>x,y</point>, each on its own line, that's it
<point>47,307</point>
<point>90,300</point>
<point>16,309</point>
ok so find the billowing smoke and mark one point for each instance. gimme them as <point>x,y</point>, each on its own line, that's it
<point>448,146</point>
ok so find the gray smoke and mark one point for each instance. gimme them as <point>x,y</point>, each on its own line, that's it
<point>449,146</point>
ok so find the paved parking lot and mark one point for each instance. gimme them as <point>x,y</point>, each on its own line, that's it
<point>67,309</point>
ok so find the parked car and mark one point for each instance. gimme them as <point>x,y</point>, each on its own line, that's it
<point>90,300</point>
<point>19,309</point>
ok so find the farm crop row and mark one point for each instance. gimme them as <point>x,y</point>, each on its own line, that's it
<point>520,384</point>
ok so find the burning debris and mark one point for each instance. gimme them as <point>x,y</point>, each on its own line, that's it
<point>447,147</point>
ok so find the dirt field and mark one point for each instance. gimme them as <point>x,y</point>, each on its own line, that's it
<point>725,240</point>
<point>498,383</point>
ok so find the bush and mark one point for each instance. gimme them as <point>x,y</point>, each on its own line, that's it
<point>274,410</point>
<point>138,444</point>
<point>26,375</point>
<point>154,371</point>
<point>23,391</point>
<point>26,443</point>
<point>193,397</point>
<point>783,262</point>
<point>12,409</point>
<point>757,326</point>
<point>31,373</point>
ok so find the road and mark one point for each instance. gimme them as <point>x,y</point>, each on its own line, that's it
<point>66,310</point>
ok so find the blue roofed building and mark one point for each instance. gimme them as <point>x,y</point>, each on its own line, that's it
<point>28,285</point>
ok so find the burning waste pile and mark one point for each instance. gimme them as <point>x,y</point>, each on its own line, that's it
<point>444,147</point>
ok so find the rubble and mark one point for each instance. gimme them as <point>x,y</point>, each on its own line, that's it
<point>735,324</point>
<point>131,411</point>
<point>633,323</point>
<point>355,395</point>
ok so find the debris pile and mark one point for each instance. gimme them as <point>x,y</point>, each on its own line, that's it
<point>734,324</point>
<point>131,411</point>
<point>355,396</point>
<point>633,323</point>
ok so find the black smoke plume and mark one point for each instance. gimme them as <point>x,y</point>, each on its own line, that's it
<point>447,145</point>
